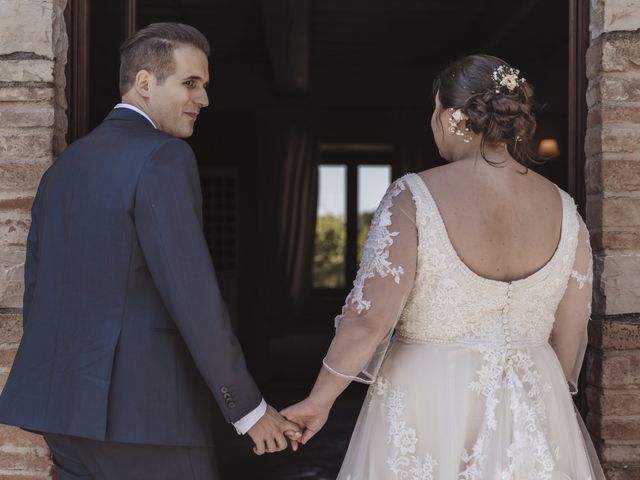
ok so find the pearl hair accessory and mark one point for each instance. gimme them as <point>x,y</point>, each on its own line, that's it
<point>458,116</point>
<point>507,77</point>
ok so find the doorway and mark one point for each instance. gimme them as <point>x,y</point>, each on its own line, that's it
<point>322,84</point>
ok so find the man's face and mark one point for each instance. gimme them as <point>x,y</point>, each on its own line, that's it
<point>174,105</point>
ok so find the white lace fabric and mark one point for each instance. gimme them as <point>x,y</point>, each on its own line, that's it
<point>449,303</point>
<point>501,351</point>
<point>380,290</point>
<point>424,290</point>
<point>569,333</point>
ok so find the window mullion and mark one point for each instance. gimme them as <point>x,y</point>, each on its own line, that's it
<point>352,222</point>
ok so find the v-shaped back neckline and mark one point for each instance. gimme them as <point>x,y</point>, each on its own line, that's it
<point>476,276</point>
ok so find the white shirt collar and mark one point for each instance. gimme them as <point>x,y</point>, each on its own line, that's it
<point>136,109</point>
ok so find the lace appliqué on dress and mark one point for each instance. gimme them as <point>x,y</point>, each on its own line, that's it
<point>585,278</point>
<point>375,255</point>
<point>401,438</point>
<point>449,301</point>
<point>530,451</point>
<point>582,279</point>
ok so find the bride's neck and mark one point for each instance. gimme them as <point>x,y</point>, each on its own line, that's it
<point>494,153</point>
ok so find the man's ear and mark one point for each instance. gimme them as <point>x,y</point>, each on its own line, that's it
<point>143,82</point>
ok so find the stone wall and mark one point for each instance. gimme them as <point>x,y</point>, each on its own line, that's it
<point>33,49</point>
<point>613,215</point>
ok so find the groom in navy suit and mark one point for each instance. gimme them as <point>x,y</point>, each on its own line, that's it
<point>127,342</point>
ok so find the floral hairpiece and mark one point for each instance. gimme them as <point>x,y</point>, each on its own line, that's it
<point>458,116</point>
<point>508,77</point>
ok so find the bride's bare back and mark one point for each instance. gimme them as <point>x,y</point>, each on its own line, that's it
<point>504,225</point>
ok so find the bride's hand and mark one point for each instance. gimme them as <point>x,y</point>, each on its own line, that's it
<point>309,415</point>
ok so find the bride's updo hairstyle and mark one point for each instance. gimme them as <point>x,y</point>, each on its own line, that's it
<point>496,102</point>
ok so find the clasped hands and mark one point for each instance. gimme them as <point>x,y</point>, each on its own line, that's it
<point>298,423</point>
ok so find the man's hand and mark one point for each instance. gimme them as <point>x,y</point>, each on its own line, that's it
<point>309,415</point>
<point>268,433</point>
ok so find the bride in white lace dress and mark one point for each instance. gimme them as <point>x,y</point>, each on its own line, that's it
<point>469,312</point>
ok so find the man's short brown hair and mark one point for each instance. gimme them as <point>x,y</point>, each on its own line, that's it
<point>152,49</point>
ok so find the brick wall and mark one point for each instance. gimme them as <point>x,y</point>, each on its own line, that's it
<point>613,215</point>
<point>33,47</point>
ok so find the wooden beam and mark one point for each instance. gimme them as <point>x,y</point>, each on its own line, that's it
<point>578,44</point>
<point>286,25</point>
<point>130,18</point>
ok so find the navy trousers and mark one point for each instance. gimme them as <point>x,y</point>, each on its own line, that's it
<point>84,459</point>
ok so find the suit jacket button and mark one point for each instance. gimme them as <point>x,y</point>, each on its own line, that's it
<point>232,405</point>
<point>224,389</point>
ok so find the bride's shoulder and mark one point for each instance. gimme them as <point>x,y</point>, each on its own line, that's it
<point>545,187</point>
<point>438,174</point>
<point>439,170</point>
<point>413,180</point>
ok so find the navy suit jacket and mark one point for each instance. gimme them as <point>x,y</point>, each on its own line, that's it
<point>126,337</point>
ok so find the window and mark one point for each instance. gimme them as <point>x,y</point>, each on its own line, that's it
<point>351,183</point>
<point>331,228</point>
<point>373,181</point>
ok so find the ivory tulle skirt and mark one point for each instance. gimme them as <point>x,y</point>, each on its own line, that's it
<point>449,412</point>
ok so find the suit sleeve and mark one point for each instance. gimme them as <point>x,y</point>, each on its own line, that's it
<point>31,260</point>
<point>168,216</point>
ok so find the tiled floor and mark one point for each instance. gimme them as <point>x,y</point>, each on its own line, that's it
<point>320,459</point>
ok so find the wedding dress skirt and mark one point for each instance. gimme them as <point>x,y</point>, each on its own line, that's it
<point>469,412</point>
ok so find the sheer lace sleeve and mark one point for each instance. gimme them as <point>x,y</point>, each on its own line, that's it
<point>380,290</point>
<point>569,335</point>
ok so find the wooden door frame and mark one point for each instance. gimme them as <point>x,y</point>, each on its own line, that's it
<point>77,69</point>
<point>577,109</point>
<point>78,89</point>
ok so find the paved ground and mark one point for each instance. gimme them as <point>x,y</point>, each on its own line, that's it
<point>320,459</point>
